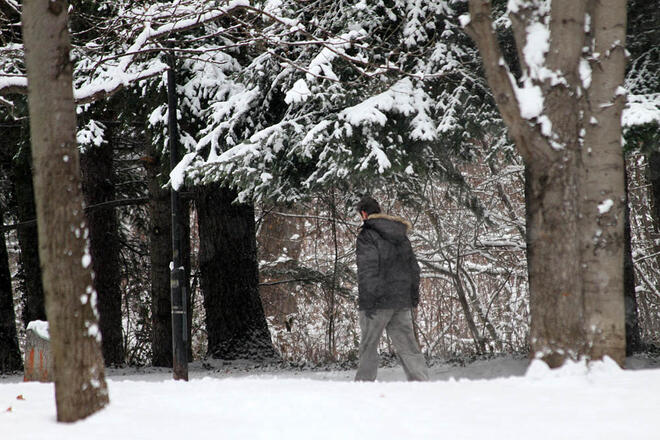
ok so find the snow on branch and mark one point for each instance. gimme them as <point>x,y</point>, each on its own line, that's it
<point>641,109</point>
<point>508,96</point>
<point>114,78</point>
<point>13,84</point>
<point>403,98</point>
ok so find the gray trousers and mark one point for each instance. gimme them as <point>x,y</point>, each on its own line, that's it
<point>398,323</point>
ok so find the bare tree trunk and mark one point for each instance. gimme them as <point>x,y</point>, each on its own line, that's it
<point>10,355</point>
<point>331,311</point>
<point>602,203</point>
<point>98,187</point>
<point>556,329</point>
<point>279,235</point>
<point>184,227</point>
<point>633,335</point>
<point>160,250</point>
<point>235,319</point>
<point>570,141</point>
<point>80,387</point>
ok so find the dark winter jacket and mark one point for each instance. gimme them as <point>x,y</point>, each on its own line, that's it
<point>388,274</point>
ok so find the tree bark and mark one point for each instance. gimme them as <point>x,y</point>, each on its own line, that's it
<point>160,250</point>
<point>556,330</point>
<point>10,354</point>
<point>602,201</point>
<point>80,387</point>
<point>235,320</point>
<point>98,187</point>
<point>184,227</point>
<point>573,156</point>
<point>275,239</point>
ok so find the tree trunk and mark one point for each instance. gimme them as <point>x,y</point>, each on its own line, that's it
<point>80,387</point>
<point>602,203</point>
<point>570,141</point>
<point>34,308</point>
<point>184,227</point>
<point>633,335</point>
<point>160,250</point>
<point>277,237</point>
<point>10,354</point>
<point>235,320</point>
<point>556,329</point>
<point>98,187</point>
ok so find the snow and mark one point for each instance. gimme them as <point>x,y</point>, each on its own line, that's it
<point>403,98</point>
<point>513,6</point>
<point>378,154</point>
<point>492,400</point>
<point>585,73</point>
<point>641,109</point>
<point>530,100</point>
<point>40,328</point>
<point>536,46</point>
<point>464,20</point>
<point>177,175</point>
<point>86,260</point>
<point>12,81</point>
<point>605,206</point>
<point>298,93</point>
<point>321,65</point>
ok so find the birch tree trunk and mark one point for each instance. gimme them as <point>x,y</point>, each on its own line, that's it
<point>80,388</point>
<point>10,355</point>
<point>564,115</point>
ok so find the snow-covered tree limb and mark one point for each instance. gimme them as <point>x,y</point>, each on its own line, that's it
<point>479,26</point>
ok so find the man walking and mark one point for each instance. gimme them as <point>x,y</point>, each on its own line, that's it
<point>388,285</point>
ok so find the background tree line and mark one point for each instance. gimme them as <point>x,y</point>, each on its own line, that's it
<point>273,275</point>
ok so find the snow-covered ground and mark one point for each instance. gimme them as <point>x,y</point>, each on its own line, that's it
<point>502,398</point>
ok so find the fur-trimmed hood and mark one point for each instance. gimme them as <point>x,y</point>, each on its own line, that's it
<point>393,229</point>
<point>393,218</point>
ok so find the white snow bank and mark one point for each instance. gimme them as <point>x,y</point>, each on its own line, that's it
<point>596,402</point>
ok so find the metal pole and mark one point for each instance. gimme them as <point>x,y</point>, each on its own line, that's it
<point>177,286</point>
